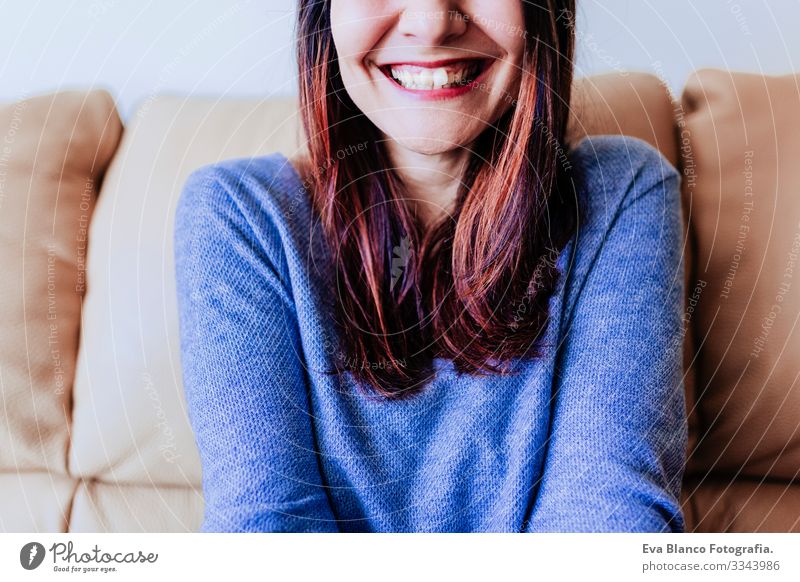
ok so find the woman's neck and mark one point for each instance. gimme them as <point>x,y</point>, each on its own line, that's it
<point>432,181</point>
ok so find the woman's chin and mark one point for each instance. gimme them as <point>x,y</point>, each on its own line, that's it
<point>428,130</point>
<point>431,144</point>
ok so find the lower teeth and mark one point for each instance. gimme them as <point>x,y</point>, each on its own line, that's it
<point>460,84</point>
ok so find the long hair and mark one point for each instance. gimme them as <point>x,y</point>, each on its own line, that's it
<point>473,289</point>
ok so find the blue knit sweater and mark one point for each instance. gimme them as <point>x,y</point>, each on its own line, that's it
<point>590,437</point>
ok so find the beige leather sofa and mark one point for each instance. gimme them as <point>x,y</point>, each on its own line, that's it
<point>93,430</point>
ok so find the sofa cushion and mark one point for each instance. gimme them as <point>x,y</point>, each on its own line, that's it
<point>130,422</point>
<point>743,133</point>
<point>635,104</point>
<point>120,507</point>
<point>738,505</point>
<point>35,501</point>
<point>53,152</point>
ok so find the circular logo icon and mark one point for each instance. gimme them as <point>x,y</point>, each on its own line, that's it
<point>31,555</point>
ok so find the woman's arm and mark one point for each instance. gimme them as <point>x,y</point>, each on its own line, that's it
<point>244,381</point>
<point>618,436</point>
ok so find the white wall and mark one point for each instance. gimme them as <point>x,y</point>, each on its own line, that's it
<point>215,47</point>
<point>671,38</point>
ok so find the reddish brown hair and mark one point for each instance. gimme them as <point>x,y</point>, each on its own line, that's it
<point>475,288</point>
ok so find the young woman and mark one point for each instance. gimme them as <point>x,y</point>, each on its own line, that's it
<point>438,317</point>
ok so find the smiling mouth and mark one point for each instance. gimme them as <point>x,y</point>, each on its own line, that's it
<point>433,76</point>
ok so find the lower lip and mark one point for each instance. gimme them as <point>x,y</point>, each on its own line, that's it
<point>433,94</point>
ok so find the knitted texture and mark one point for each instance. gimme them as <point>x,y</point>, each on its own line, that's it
<point>590,437</point>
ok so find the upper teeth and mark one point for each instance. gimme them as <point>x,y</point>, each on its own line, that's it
<point>427,79</point>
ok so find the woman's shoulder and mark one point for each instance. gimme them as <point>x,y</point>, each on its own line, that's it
<point>263,183</point>
<point>609,173</point>
<point>629,200</point>
<point>609,170</point>
<point>264,193</point>
<point>258,205</point>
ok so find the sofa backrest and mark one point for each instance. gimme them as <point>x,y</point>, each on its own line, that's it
<point>742,144</point>
<point>54,150</point>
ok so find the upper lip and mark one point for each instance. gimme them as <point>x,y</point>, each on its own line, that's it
<point>435,64</point>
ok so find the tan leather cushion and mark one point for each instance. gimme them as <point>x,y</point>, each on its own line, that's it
<point>744,133</point>
<point>111,507</point>
<point>35,501</point>
<point>53,150</point>
<point>130,419</point>
<point>740,505</point>
<point>635,104</point>
<point>130,423</point>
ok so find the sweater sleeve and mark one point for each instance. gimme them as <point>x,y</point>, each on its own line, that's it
<point>244,381</point>
<point>618,433</point>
